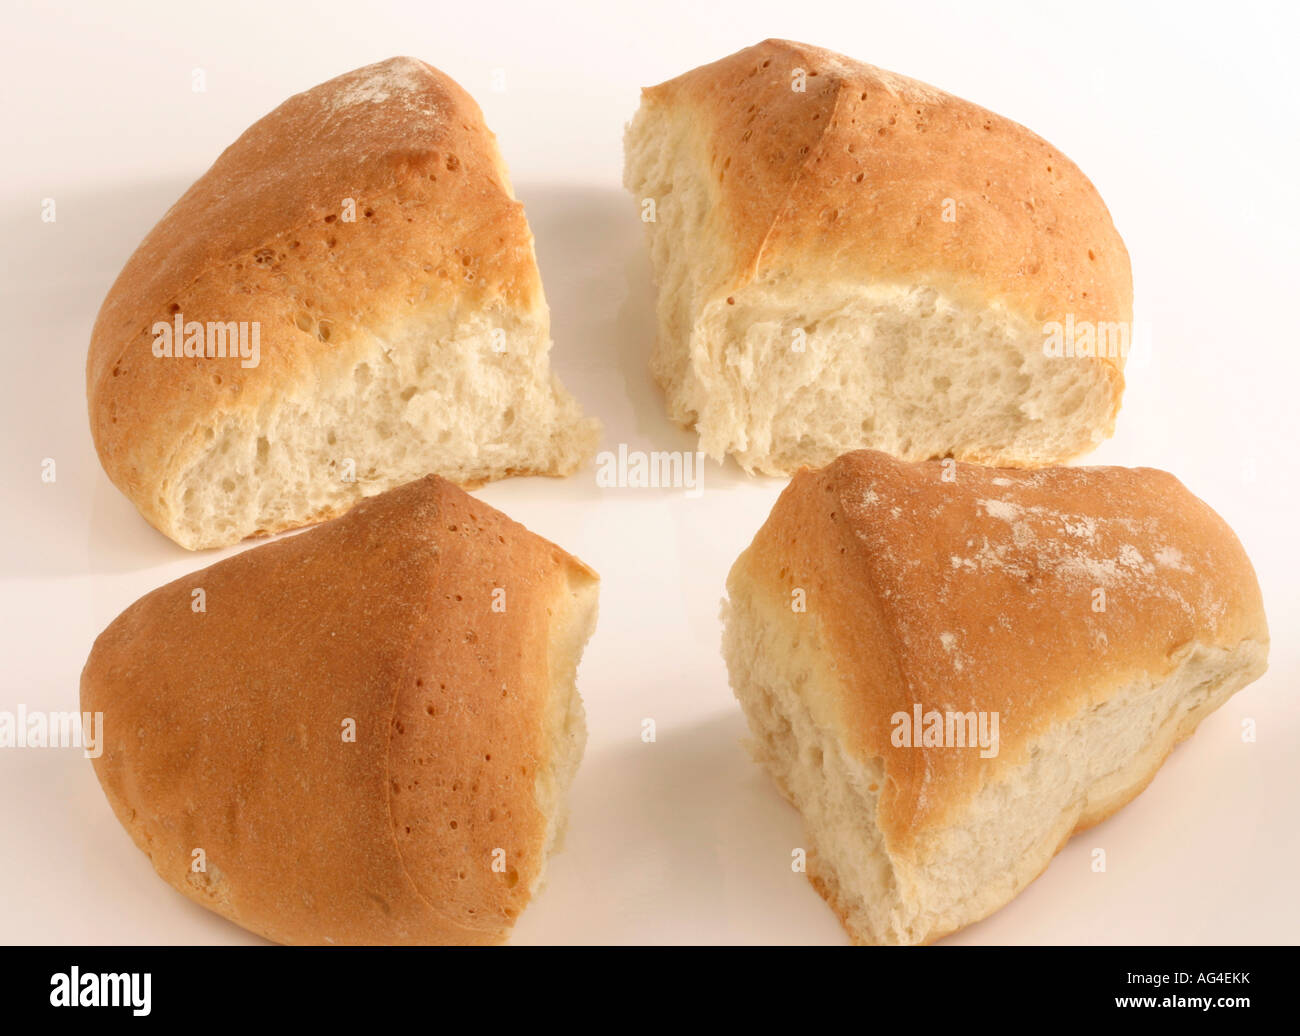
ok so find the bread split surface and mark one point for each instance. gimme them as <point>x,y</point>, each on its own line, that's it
<point>367,233</point>
<point>849,258</point>
<point>1090,617</point>
<point>366,734</point>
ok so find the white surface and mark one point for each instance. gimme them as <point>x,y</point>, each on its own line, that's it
<point>1187,123</point>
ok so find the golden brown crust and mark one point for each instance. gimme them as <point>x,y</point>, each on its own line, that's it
<point>223,729</point>
<point>848,179</point>
<point>979,594</point>
<point>259,237</point>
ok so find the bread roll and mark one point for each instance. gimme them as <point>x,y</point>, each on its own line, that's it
<point>848,258</point>
<point>363,245</point>
<point>1086,619</point>
<point>369,731</point>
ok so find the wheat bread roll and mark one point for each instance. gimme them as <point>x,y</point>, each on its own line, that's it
<point>1098,613</point>
<point>849,258</point>
<point>443,635</point>
<point>362,246</point>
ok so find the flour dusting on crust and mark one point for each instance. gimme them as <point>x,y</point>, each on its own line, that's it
<point>403,80</point>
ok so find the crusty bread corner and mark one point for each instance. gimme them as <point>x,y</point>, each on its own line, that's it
<point>446,635</point>
<point>870,262</point>
<point>368,227</point>
<point>975,596</point>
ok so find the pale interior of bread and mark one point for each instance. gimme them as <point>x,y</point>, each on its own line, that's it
<point>471,399</point>
<point>1074,776</point>
<point>573,620</point>
<point>786,372</point>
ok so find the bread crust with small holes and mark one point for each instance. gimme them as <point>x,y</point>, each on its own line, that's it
<point>444,634</point>
<point>368,227</point>
<point>850,258</point>
<point>1098,613</point>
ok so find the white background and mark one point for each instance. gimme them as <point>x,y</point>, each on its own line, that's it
<point>1185,117</point>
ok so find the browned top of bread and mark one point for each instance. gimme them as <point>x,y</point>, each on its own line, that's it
<point>259,237</point>
<point>848,179</point>
<point>223,729</point>
<point>978,595</point>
